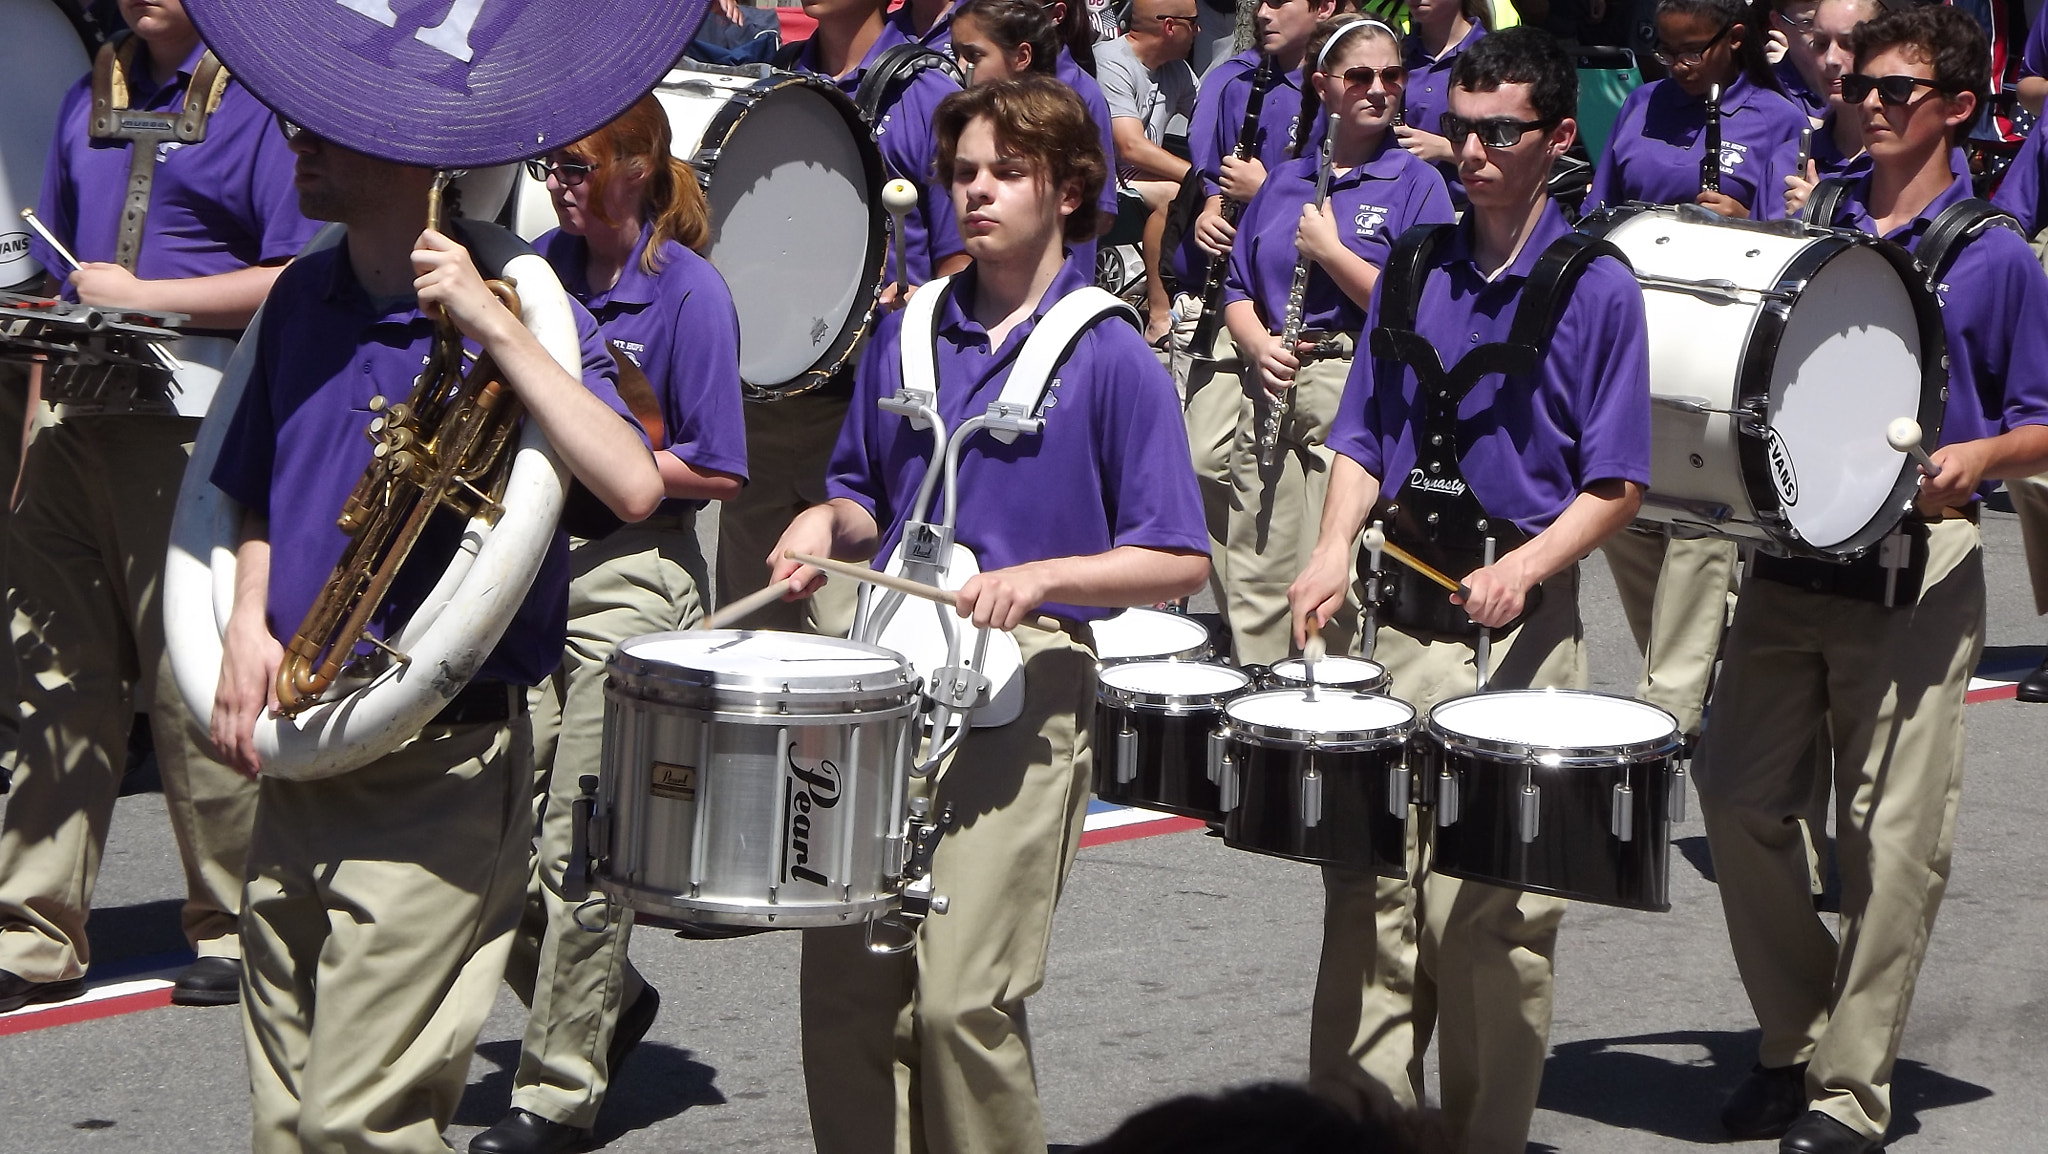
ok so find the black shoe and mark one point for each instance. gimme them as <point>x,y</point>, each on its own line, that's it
<point>1767,1102</point>
<point>17,991</point>
<point>2034,687</point>
<point>634,1022</point>
<point>1818,1133</point>
<point>524,1132</point>
<point>209,982</point>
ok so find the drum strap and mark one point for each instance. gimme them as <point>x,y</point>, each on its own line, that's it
<point>1824,203</point>
<point>112,119</point>
<point>895,67</point>
<point>1953,227</point>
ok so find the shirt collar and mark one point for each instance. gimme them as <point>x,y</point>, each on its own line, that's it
<point>1959,189</point>
<point>1470,38</point>
<point>636,285</point>
<point>892,35</point>
<point>345,292</point>
<point>1549,226</point>
<point>954,317</point>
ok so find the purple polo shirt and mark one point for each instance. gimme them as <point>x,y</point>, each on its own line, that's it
<point>1537,441</point>
<point>1374,204</point>
<point>1784,161</point>
<point>1219,115</point>
<point>1096,478</point>
<point>2034,58</point>
<point>1660,135</point>
<point>2021,192</point>
<point>909,147</point>
<point>1813,104</point>
<point>297,447</point>
<point>1428,94</point>
<point>938,38</point>
<point>222,204</point>
<point>679,326</point>
<point>1994,308</point>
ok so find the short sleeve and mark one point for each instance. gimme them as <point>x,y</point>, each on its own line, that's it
<point>1140,427</point>
<point>700,390</point>
<point>248,453</point>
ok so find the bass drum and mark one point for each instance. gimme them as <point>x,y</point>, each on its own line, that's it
<point>44,59</point>
<point>797,229</point>
<point>1779,357</point>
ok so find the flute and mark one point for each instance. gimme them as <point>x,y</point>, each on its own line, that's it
<point>1710,164</point>
<point>1199,345</point>
<point>1278,408</point>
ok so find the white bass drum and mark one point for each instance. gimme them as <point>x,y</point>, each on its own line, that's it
<point>44,59</point>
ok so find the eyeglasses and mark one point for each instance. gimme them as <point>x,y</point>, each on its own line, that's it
<point>1896,91</point>
<point>1392,76</point>
<point>1794,23</point>
<point>289,129</point>
<point>1671,57</point>
<point>1166,20</point>
<point>568,174</point>
<point>1493,131</point>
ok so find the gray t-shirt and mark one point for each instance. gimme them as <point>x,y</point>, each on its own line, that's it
<point>1164,98</point>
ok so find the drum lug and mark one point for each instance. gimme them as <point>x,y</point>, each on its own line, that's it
<point>1312,795</point>
<point>1675,805</point>
<point>576,875</point>
<point>916,899</point>
<point>1531,805</point>
<point>1446,797</point>
<point>1623,819</point>
<point>1397,789</point>
<point>1226,782</point>
<point>1126,753</point>
<point>1219,754</point>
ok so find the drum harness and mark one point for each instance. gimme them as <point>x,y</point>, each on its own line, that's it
<point>1438,517</point>
<point>1891,574</point>
<point>927,551</point>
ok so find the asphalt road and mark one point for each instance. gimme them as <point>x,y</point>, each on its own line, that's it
<point>1180,965</point>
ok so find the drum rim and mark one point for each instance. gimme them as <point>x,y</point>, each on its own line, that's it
<point>1377,683</point>
<point>1552,756</point>
<point>1199,651</point>
<point>652,680</point>
<point>1123,698</point>
<point>660,903</point>
<point>1330,740</point>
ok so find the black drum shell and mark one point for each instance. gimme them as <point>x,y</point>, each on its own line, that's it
<point>1173,760</point>
<point>1355,831</point>
<point>1575,853</point>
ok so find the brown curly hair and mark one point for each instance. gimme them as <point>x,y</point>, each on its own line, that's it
<point>1037,118</point>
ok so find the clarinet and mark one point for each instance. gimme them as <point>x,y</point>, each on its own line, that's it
<point>1278,408</point>
<point>1710,164</point>
<point>1204,337</point>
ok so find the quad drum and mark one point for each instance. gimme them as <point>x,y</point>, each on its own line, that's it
<point>1318,777</point>
<point>1159,734</point>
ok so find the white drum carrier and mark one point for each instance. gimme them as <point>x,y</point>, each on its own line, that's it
<point>1779,356</point>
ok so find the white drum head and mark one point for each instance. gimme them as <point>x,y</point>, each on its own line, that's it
<point>1332,670</point>
<point>762,654</point>
<point>1848,365</point>
<point>1553,719</point>
<point>1325,713</point>
<point>44,59</point>
<point>1136,633</point>
<point>1175,678</point>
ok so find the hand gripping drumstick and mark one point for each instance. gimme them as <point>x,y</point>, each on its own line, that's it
<point>905,585</point>
<point>899,196</point>
<point>747,606</point>
<point>1311,653</point>
<point>1904,437</point>
<point>1376,538</point>
<point>35,222</point>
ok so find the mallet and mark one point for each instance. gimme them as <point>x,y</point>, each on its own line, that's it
<point>1904,437</point>
<point>1376,538</point>
<point>899,196</point>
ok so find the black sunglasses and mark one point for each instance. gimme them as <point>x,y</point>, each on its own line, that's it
<point>1392,76</point>
<point>289,129</point>
<point>1896,91</point>
<point>1671,57</point>
<point>1493,131</point>
<point>568,174</point>
<point>1166,19</point>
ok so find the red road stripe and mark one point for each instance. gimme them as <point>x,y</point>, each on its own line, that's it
<point>67,1014</point>
<point>1139,829</point>
<point>1991,693</point>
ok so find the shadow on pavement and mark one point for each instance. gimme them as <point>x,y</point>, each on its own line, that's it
<point>122,934</point>
<point>658,1083</point>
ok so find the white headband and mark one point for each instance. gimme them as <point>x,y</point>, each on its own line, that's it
<point>1330,45</point>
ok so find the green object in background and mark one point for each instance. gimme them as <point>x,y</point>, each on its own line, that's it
<point>1606,76</point>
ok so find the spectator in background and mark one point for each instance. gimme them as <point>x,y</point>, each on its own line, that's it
<point>1150,89</point>
<point>736,33</point>
<point>1788,44</point>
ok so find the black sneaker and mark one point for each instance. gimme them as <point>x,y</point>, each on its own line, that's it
<point>17,991</point>
<point>1767,1102</point>
<point>209,982</point>
<point>2034,686</point>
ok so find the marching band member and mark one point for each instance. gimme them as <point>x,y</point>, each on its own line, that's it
<point>1221,110</point>
<point>790,440</point>
<point>1675,592</point>
<point>382,902</point>
<point>1796,64</point>
<point>1561,454</point>
<point>86,546</point>
<point>1441,30</point>
<point>632,217</point>
<point>1815,645</point>
<point>928,1049</point>
<point>1837,138</point>
<point>2024,193</point>
<point>1377,191</point>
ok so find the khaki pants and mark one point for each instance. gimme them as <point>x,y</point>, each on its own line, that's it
<point>2030,501</point>
<point>1471,961</point>
<point>1888,684</point>
<point>1675,594</point>
<point>789,446</point>
<point>1276,512</point>
<point>85,556</point>
<point>380,907</point>
<point>568,961</point>
<point>1215,408</point>
<point>928,1050</point>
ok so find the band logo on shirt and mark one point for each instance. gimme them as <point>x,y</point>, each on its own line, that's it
<point>1371,219</point>
<point>632,349</point>
<point>810,788</point>
<point>1732,155</point>
<point>1447,486</point>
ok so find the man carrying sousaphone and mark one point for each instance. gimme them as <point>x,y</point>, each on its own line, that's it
<point>381,900</point>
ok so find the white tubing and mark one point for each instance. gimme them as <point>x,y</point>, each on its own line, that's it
<point>447,638</point>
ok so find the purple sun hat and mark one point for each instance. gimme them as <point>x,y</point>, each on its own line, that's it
<point>448,83</point>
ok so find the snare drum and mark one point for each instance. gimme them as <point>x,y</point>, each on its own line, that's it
<point>1159,737</point>
<point>1560,792</point>
<point>1318,779</point>
<point>1352,674</point>
<point>1150,635</point>
<point>794,182</point>
<point>1779,356</point>
<point>754,779</point>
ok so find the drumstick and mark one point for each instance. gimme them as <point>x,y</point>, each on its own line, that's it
<point>746,606</point>
<point>1904,437</point>
<point>49,238</point>
<point>899,196</point>
<point>1311,653</point>
<point>905,585</point>
<point>1376,539</point>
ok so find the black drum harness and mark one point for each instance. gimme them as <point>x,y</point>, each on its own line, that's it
<point>1438,517</point>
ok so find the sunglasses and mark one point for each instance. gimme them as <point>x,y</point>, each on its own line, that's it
<point>289,129</point>
<point>1493,131</point>
<point>1671,57</point>
<point>1896,91</point>
<point>568,174</point>
<point>1392,76</point>
<point>1166,21</point>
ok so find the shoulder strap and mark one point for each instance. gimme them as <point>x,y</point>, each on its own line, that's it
<point>1017,409</point>
<point>786,56</point>
<point>1825,201</point>
<point>1957,225</point>
<point>917,340</point>
<point>1550,285</point>
<point>897,65</point>
<point>1407,267</point>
